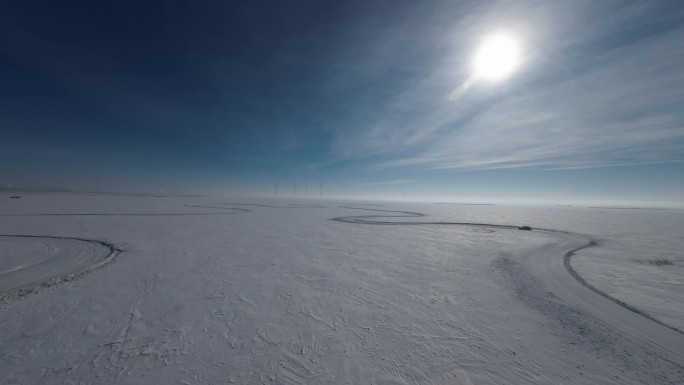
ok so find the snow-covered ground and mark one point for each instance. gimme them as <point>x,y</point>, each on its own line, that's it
<point>623,264</point>
<point>218,290</point>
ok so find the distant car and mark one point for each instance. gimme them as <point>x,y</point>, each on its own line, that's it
<point>528,228</point>
<point>15,197</point>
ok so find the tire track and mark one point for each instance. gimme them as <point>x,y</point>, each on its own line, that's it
<point>367,219</point>
<point>557,273</point>
<point>237,210</point>
<point>69,258</point>
<point>289,206</point>
<point>568,266</point>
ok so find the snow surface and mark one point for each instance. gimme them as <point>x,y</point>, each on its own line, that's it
<point>627,240</point>
<point>218,290</point>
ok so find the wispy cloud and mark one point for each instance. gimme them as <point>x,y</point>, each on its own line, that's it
<point>599,104</point>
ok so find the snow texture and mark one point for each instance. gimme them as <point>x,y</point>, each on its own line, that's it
<point>141,290</point>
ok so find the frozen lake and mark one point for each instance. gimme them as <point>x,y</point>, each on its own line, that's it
<point>137,290</point>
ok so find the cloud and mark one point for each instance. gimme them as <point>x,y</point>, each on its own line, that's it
<point>613,98</point>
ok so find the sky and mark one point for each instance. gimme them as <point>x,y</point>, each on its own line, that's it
<point>230,97</point>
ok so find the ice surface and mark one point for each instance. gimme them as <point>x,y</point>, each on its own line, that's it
<point>285,295</point>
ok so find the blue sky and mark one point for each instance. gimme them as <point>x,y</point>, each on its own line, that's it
<point>230,97</point>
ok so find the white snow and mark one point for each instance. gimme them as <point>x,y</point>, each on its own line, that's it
<point>628,240</point>
<point>285,295</point>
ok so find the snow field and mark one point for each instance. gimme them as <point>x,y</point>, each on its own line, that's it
<point>284,295</point>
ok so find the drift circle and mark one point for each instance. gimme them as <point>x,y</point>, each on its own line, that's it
<point>31,263</point>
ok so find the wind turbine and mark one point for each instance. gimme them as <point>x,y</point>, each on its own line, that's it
<point>276,189</point>
<point>306,189</point>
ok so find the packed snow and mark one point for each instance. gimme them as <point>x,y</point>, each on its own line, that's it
<point>101,289</point>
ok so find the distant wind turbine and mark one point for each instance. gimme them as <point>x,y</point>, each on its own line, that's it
<point>276,189</point>
<point>306,189</point>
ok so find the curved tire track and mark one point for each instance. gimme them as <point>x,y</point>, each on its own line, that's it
<point>568,267</point>
<point>289,206</point>
<point>407,214</point>
<point>68,258</point>
<point>237,211</point>
<point>558,275</point>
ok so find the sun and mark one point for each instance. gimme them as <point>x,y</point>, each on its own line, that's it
<point>497,57</point>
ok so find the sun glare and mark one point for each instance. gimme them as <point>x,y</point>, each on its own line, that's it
<point>498,57</point>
